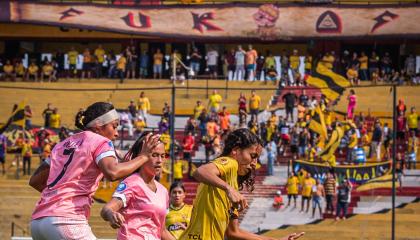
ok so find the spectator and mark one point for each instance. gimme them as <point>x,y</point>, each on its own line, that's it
<point>100,59</point>
<point>126,122</point>
<point>354,61</point>
<point>303,142</point>
<point>188,144</point>
<point>48,71</point>
<point>28,117</point>
<point>343,199</point>
<point>284,61</point>
<point>63,134</point>
<point>313,103</point>
<point>140,124</point>
<point>72,56</point>
<point>328,60</point>
<point>294,63</point>
<point>251,62</point>
<point>308,184</point>
<point>254,105</point>
<point>26,156</point>
<point>410,65</point>
<point>304,99</point>
<point>55,119</point>
<point>271,75</point>
<point>290,100</point>
<point>399,169</point>
<point>294,141</point>
<point>363,67</point>
<point>318,193</point>
<point>353,75</point>
<point>144,64</point>
<point>270,62</point>
<point>308,64</point>
<point>271,149</point>
<point>9,71</point>
<point>195,59</point>
<point>373,64</point>
<point>191,126</point>
<point>157,64</point>
<point>20,69</point>
<point>143,105</point>
<point>401,126</point>
<point>242,108</point>
<point>387,138</point>
<point>18,146</point>
<point>292,188</point>
<point>132,109</point>
<point>413,121</point>
<point>401,107</point>
<point>112,62</point>
<point>240,64</point>
<point>3,151</point>
<point>87,63</point>
<point>411,153</point>
<point>214,102</point>
<point>376,141</point>
<point>278,200</point>
<point>121,67</point>
<point>359,155</point>
<point>212,128</point>
<point>352,104</point>
<point>131,55</point>
<point>198,109</point>
<point>330,186</point>
<point>163,125</point>
<point>32,72</point>
<point>165,138</point>
<point>208,141</point>
<point>212,58</point>
<point>224,120</point>
<point>178,169</point>
<point>46,114</point>
<point>230,62</point>
<point>386,63</point>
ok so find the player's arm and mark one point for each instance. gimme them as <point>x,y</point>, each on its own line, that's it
<point>110,213</point>
<point>39,179</point>
<point>210,175</point>
<point>166,235</point>
<point>234,232</point>
<point>113,170</point>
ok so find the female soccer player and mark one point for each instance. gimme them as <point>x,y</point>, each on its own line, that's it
<point>215,210</point>
<point>140,203</point>
<point>179,214</point>
<point>69,178</point>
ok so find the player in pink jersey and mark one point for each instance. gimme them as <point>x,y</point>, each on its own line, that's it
<point>69,178</point>
<point>140,203</point>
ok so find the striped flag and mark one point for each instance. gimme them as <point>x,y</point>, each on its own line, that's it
<point>317,123</point>
<point>331,84</point>
<point>18,115</point>
<point>327,153</point>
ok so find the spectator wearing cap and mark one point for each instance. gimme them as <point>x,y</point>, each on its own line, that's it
<point>278,201</point>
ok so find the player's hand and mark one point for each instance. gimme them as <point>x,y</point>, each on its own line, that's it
<point>293,236</point>
<point>239,202</point>
<point>149,143</point>
<point>182,226</point>
<point>116,220</point>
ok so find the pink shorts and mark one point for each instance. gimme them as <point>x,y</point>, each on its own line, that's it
<point>47,228</point>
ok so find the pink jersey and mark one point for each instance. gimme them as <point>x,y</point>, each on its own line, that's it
<point>144,210</point>
<point>352,101</point>
<point>74,176</point>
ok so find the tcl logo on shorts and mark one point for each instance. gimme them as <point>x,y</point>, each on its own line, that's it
<point>194,236</point>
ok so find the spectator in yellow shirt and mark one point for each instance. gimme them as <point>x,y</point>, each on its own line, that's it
<point>352,75</point>
<point>413,121</point>
<point>143,105</point>
<point>47,71</point>
<point>100,56</point>
<point>198,109</point>
<point>294,62</point>
<point>292,188</point>
<point>72,59</point>
<point>328,60</point>
<point>157,64</point>
<point>55,119</point>
<point>214,102</point>
<point>121,64</point>
<point>308,64</point>
<point>32,72</point>
<point>87,63</point>
<point>27,155</point>
<point>9,71</point>
<point>254,105</point>
<point>20,69</point>
<point>363,59</point>
<point>307,188</point>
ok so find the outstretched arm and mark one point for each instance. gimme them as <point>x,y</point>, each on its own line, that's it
<point>39,178</point>
<point>110,213</point>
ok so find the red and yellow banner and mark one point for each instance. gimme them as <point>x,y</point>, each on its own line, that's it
<point>224,21</point>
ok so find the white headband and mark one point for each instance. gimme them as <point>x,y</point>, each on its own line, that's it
<point>104,119</point>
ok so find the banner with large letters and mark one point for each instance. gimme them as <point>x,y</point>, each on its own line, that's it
<point>224,21</point>
<point>356,173</point>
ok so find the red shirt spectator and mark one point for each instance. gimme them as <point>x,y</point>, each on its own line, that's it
<point>224,118</point>
<point>188,142</point>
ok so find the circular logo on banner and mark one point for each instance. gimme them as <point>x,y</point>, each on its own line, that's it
<point>121,187</point>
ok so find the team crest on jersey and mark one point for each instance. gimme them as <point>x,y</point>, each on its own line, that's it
<point>111,144</point>
<point>121,187</point>
<point>224,161</point>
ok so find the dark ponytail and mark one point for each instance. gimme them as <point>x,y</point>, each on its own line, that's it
<point>177,184</point>
<point>135,149</point>
<point>95,110</point>
<point>242,138</point>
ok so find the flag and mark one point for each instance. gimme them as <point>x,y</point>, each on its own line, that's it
<point>18,115</point>
<point>331,84</point>
<point>317,123</point>
<point>328,153</point>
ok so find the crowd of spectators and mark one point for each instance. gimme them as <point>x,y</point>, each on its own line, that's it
<point>236,64</point>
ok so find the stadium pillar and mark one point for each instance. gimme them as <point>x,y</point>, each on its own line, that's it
<point>394,150</point>
<point>172,120</point>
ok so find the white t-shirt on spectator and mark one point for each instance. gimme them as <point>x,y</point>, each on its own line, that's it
<point>212,58</point>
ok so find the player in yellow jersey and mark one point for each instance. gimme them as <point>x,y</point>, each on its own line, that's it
<point>179,214</point>
<point>215,210</point>
<point>292,188</point>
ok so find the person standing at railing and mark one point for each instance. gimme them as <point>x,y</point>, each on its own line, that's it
<point>143,105</point>
<point>251,62</point>
<point>87,64</point>
<point>239,64</point>
<point>121,66</point>
<point>214,102</point>
<point>212,62</point>
<point>157,64</point>
<point>254,105</point>
<point>100,56</point>
<point>195,59</point>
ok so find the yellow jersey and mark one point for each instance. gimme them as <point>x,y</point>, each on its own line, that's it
<point>412,120</point>
<point>215,100</point>
<point>27,150</point>
<point>33,69</point>
<point>47,69</point>
<point>351,73</point>
<point>72,56</point>
<point>198,110</point>
<point>55,120</point>
<point>143,103</point>
<point>254,102</point>
<point>166,140</point>
<point>20,69</point>
<point>100,54</point>
<point>308,183</point>
<point>212,210</point>
<point>292,185</point>
<point>308,62</point>
<point>178,170</point>
<point>363,62</point>
<point>121,63</point>
<point>175,217</point>
<point>8,68</point>
<point>294,62</point>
